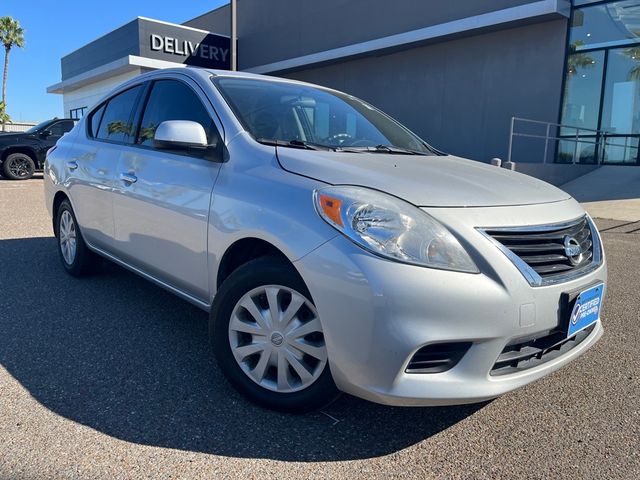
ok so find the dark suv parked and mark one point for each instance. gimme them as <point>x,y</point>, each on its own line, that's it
<point>22,153</point>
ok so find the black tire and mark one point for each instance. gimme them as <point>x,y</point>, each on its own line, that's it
<point>84,261</point>
<point>18,166</point>
<point>254,274</point>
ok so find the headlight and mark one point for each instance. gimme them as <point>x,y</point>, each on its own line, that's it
<point>391,228</point>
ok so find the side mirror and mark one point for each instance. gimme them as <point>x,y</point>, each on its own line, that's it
<point>180,135</point>
<point>46,133</point>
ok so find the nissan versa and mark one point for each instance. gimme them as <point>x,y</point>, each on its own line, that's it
<point>334,249</point>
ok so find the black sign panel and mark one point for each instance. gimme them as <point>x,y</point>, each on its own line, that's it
<point>184,45</point>
<point>151,39</point>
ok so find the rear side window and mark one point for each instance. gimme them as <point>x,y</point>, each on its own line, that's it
<point>116,125</point>
<point>173,100</point>
<point>94,120</point>
<point>60,128</point>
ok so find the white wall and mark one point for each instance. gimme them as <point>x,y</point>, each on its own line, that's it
<point>18,126</point>
<point>89,95</point>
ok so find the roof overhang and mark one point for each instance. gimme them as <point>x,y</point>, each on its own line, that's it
<point>539,11</point>
<point>130,63</point>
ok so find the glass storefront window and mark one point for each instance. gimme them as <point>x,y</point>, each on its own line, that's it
<point>621,105</point>
<point>584,77</point>
<point>585,151</point>
<point>607,25</point>
<point>621,150</point>
<point>602,84</point>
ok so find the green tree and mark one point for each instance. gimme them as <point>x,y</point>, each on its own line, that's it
<point>11,34</point>
<point>4,116</point>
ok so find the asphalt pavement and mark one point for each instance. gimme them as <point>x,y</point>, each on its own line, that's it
<point>112,377</point>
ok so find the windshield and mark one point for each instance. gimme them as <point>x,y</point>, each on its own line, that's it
<point>38,127</point>
<point>292,115</point>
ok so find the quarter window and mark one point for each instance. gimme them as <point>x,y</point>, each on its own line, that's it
<point>95,118</point>
<point>116,122</point>
<point>172,100</point>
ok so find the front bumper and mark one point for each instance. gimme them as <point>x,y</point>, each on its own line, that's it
<point>377,313</point>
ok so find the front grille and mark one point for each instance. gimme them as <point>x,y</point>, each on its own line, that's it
<point>437,357</point>
<point>550,253</point>
<point>523,355</point>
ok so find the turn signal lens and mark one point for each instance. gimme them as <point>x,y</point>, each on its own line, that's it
<point>331,208</point>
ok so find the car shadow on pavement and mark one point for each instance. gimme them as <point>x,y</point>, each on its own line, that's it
<point>124,357</point>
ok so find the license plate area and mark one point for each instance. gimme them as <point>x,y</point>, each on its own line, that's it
<point>581,308</point>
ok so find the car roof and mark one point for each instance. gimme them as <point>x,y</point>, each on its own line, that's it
<point>203,73</point>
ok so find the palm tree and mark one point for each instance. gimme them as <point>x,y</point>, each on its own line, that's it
<point>634,54</point>
<point>578,60</point>
<point>11,34</point>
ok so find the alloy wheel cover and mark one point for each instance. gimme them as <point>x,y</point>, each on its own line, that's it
<point>67,234</point>
<point>20,166</point>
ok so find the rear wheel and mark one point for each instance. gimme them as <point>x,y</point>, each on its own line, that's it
<point>268,338</point>
<point>18,166</point>
<point>76,257</point>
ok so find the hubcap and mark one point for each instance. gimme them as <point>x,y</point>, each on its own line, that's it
<point>276,338</point>
<point>67,233</point>
<point>20,166</point>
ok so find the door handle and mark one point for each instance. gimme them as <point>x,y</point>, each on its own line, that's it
<point>128,178</point>
<point>71,165</point>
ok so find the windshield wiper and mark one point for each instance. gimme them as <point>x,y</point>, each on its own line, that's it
<point>381,149</point>
<point>295,144</point>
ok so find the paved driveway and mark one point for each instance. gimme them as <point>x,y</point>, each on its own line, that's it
<point>112,377</point>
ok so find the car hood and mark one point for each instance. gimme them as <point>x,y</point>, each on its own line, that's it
<point>425,181</point>
<point>11,135</point>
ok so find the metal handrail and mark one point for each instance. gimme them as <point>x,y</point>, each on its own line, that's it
<point>577,139</point>
<point>540,122</point>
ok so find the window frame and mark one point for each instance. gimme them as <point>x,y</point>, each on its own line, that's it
<point>74,111</point>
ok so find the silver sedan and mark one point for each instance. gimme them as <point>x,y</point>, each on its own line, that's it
<point>334,249</point>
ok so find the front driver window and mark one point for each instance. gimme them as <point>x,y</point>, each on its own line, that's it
<point>172,100</point>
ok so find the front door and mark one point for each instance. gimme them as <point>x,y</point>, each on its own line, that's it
<point>161,200</point>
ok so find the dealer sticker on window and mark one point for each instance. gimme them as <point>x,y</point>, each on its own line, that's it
<point>586,310</point>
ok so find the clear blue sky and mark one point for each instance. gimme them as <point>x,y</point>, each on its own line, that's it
<point>54,29</point>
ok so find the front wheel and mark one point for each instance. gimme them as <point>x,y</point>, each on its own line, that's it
<point>268,338</point>
<point>18,166</point>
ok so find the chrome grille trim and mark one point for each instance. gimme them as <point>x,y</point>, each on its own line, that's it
<point>533,277</point>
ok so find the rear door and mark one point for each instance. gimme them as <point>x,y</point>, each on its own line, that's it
<point>162,198</point>
<point>92,166</point>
